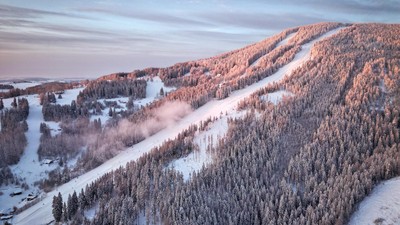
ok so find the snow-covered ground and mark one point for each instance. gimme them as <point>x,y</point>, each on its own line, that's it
<point>204,140</point>
<point>276,97</point>
<point>29,169</point>
<point>68,96</point>
<point>41,212</point>
<point>382,206</point>
<point>286,40</point>
<point>24,84</point>
<point>152,94</point>
<point>281,43</point>
<point>153,89</point>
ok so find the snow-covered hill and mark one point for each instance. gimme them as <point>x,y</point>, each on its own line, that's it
<point>41,212</point>
<point>30,170</point>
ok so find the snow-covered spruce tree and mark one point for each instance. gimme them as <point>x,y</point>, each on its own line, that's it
<point>57,207</point>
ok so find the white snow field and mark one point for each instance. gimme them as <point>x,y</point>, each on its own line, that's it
<point>41,212</point>
<point>68,96</point>
<point>286,40</point>
<point>152,94</point>
<point>276,97</point>
<point>382,206</point>
<point>29,168</point>
<point>23,84</point>
<point>281,43</point>
<point>204,140</point>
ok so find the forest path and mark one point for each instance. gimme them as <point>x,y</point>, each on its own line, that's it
<point>41,212</point>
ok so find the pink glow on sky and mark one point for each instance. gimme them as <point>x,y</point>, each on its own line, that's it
<point>47,38</point>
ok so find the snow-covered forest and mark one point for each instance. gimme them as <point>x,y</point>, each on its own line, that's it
<point>296,129</point>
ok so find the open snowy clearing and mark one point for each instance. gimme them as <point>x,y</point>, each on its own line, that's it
<point>276,97</point>
<point>29,169</point>
<point>68,96</point>
<point>23,84</point>
<point>205,140</point>
<point>153,88</point>
<point>41,212</point>
<point>382,206</point>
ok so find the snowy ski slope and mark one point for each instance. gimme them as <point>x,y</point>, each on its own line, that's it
<point>41,212</point>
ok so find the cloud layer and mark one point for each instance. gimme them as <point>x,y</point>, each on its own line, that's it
<point>91,38</point>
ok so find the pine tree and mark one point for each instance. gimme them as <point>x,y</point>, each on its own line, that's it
<point>82,200</point>
<point>14,103</point>
<point>57,207</point>
<point>110,112</point>
<point>1,104</point>
<point>65,212</point>
<point>129,104</point>
<point>69,208</point>
<point>72,205</point>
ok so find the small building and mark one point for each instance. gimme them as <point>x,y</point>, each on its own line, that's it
<point>16,192</point>
<point>3,212</point>
<point>31,197</point>
<point>48,161</point>
<point>7,217</point>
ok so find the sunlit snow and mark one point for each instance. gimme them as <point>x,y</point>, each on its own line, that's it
<point>276,97</point>
<point>41,212</point>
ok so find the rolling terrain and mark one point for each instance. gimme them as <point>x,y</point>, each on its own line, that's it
<point>289,130</point>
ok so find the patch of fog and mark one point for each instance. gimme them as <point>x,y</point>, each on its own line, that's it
<point>54,127</point>
<point>91,213</point>
<point>72,162</point>
<point>276,97</point>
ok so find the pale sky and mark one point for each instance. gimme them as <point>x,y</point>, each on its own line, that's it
<point>90,38</point>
